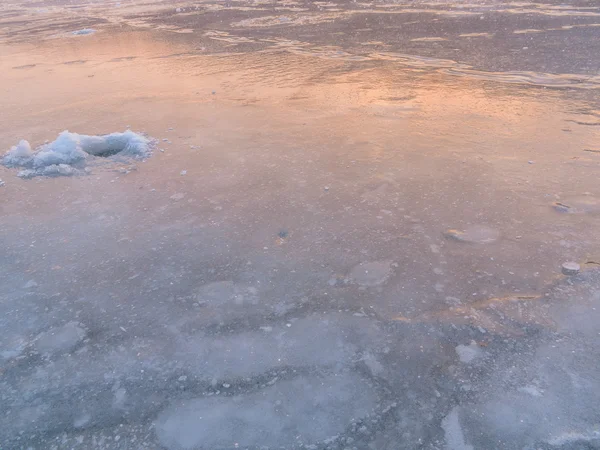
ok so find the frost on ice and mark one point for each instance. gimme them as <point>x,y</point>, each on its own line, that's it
<point>68,153</point>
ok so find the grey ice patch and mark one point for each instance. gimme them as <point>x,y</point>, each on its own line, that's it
<point>371,273</point>
<point>319,340</point>
<point>469,353</point>
<point>82,420</point>
<point>119,399</point>
<point>301,411</point>
<point>455,439</point>
<point>60,339</point>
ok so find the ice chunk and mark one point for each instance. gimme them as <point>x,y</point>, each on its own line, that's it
<point>72,149</point>
<point>18,155</point>
<point>64,150</point>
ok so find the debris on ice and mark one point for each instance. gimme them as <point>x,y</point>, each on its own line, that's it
<point>570,268</point>
<point>67,154</point>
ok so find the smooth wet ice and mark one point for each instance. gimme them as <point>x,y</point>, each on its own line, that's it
<point>349,231</point>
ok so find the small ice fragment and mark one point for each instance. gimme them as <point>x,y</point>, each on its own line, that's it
<point>83,32</point>
<point>570,268</point>
<point>183,172</point>
<point>26,174</point>
<point>2,183</point>
<point>30,284</point>
<point>475,234</point>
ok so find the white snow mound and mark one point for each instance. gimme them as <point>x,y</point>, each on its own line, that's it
<point>72,149</point>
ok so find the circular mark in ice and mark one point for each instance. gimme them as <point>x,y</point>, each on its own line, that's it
<point>312,407</point>
<point>371,273</point>
<point>475,234</point>
<point>585,204</point>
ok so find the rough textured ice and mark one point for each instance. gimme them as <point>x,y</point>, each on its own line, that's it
<point>18,155</point>
<point>71,149</point>
<point>305,410</point>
